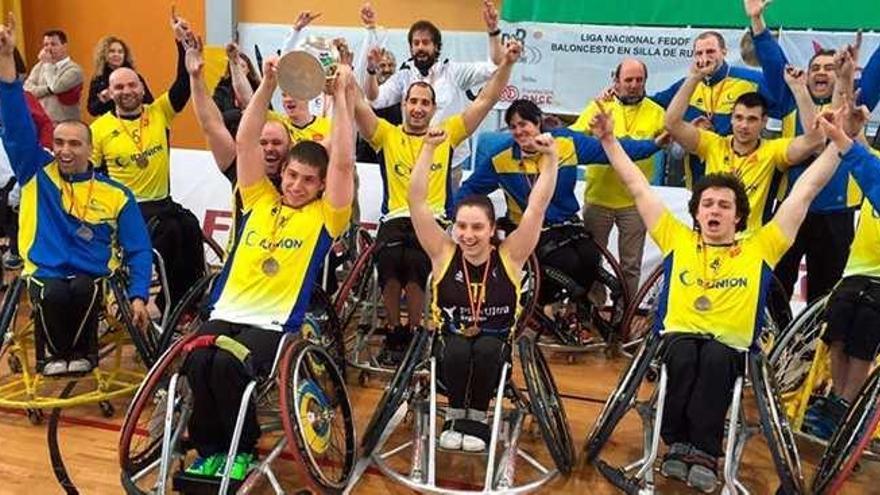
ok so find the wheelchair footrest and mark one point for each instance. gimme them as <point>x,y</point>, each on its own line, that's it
<point>189,484</point>
<point>618,478</point>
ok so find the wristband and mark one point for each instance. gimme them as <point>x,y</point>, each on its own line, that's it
<point>371,71</point>
<point>496,32</point>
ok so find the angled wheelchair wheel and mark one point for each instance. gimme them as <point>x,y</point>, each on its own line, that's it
<point>530,287</point>
<point>775,426</point>
<point>189,313</point>
<point>321,311</point>
<point>546,405</point>
<point>778,305</point>
<point>624,394</point>
<point>395,392</point>
<point>638,320</point>
<point>792,353</point>
<point>148,416</point>
<point>316,415</point>
<point>355,290</point>
<point>851,439</point>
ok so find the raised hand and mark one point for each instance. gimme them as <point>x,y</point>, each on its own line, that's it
<point>831,124</point>
<point>512,52</point>
<point>795,77</point>
<point>701,69</point>
<point>606,95</point>
<point>435,136</point>
<point>343,79</point>
<point>7,36</point>
<point>346,56</point>
<point>368,15</point>
<point>490,15</point>
<point>180,27</point>
<point>602,124</point>
<point>305,18</point>
<point>232,51</point>
<point>755,8</point>
<point>545,144</point>
<point>270,70</point>
<point>195,59</point>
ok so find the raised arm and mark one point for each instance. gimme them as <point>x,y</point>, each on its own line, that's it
<point>811,141</point>
<point>433,239</point>
<point>793,210</point>
<point>772,59</point>
<point>490,17</point>
<point>247,142</point>
<point>364,116</point>
<point>179,92</point>
<point>522,241</point>
<point>20,137</point>
<point>870,81</point>
<point>648,203</point>
<point>241,86</point>
<point>685,133</point>
<point>220,142</point>
<point>303,19</point>
<point>488,97</point>
<point>340,170</point>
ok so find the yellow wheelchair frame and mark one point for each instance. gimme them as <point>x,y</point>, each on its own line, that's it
<point>21,387</point>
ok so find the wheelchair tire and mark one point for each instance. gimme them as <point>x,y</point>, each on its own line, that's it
<point>620,400</point>
<point>638,320</point>
<point>394,393</point>
<point>11,301</point>
<point>146,344</point>
<point>192,304</point>
<point>775,427</point>
<point>321,309</point>
<point>778,305</point>
<point>317,415</point>
<point>546,405</point>
<point>530,288</point>
<point>140,440</point>
<point>355,289</point>
<point>850,440</point>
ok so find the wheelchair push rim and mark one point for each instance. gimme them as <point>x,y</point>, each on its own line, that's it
<point>317,415</point>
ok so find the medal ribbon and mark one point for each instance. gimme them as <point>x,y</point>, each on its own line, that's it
<point>711,99</point>
<point>74,206</point>
<point>275,224</point>
<point>138,141</point>
<point>481,290</point>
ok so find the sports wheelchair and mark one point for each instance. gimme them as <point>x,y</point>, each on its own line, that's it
<point>579,324</point>
<point>359,307</point>
<point>302,407</point>
<point>118,373</point>
<point>638,477</point>
<point>415,390</point>
<point>801,362</point>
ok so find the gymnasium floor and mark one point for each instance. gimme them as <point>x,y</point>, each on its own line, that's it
<point>88,442</point>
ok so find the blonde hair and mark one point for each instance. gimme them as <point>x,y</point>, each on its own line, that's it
<point>103,47</point>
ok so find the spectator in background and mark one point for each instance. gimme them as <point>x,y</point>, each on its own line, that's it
<point>111,53</point>
<point>56,80</point>
<point>237,85</point>
<point>381,63</point>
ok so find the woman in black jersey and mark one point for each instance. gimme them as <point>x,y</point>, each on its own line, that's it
<point>476,285</point>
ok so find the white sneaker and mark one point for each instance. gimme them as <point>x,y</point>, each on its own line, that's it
<point>472,444</point>
<point>55,367</point>
<point>79,366</point>
<point>450,440</point>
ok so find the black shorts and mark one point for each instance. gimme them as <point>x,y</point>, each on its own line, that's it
<point>400,256</point>
<point>572,251</point>
<point>853,316</point>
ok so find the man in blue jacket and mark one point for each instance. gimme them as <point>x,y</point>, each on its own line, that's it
<point>72,219</point>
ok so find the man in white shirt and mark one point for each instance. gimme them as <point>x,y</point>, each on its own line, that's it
<point>56,80</point>
<point>450,80</point>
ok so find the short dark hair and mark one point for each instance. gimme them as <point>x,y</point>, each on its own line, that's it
<point>79,123</point>
<point>310,153</point>
<point>421,84</point>
<point>423,25</point>
<point>526,109</point>
<point>724,181</point>
<point>480,201</point>
<point>712,34</point>
<point>824,52</point>
<point>751,100</point>
<point>616,72</point>
<point>61,35</point>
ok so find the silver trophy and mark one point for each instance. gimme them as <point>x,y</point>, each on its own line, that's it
<point>304,72</point>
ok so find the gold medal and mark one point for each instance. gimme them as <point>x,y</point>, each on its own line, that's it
<point>702,303</point>
<point>141,160</point>
<point>85,233</point>
<point>471,331</point>
<point>270,266</point>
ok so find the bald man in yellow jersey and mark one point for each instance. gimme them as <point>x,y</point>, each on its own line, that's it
<point>266,283</point>
<point>757,162</point>
<point>716,287</point>
<point>606,202</point>
<point>132,144</point>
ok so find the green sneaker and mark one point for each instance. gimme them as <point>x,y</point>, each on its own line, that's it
<point>242,466</point>
<point>207,466</point>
